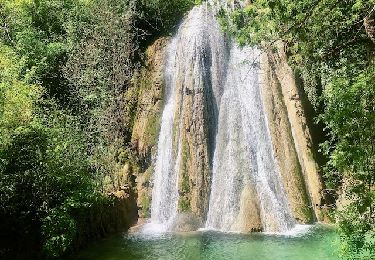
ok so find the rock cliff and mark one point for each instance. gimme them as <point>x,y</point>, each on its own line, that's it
<point>150,82</point>
<point>198,87</point>
<point>292,138</point>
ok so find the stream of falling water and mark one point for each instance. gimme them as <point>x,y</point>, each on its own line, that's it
<point>243,154</point>
<point>195,59</point>
<point>165,192</point>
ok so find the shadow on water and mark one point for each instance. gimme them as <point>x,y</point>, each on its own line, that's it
<point>318,243</point>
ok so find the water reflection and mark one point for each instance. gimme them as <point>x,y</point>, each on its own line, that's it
<point>317,243</point>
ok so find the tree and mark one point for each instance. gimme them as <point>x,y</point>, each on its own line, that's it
<point>350,116</point>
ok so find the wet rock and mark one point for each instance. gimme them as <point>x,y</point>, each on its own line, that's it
<point>186,222</point>
<point>150,82</point>
<point>248,219</point>
<point>291,137</point>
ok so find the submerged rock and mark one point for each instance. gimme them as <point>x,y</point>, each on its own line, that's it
<point>186,222</point>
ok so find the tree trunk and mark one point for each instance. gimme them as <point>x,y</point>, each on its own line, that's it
<point>369,24</point>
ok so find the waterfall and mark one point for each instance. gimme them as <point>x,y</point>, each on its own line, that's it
<point>165,191</point>
<point>195,63</point>
<point>216,79</point>
<point>243,154</point>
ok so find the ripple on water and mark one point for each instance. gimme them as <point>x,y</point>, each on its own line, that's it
<point>305,242</point>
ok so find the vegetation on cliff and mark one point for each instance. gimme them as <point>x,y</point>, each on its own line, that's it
<point>331,47</point>
<point>68,100</point>
<point>67,105</point>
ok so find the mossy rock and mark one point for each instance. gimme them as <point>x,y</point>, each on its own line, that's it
<point>145,206</point>
<point>184,204</point>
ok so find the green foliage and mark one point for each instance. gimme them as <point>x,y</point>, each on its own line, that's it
<point>66,112</point>
<point>17,98</point>
<point>160,16</point>
<point>35,30</point>
<point>99,70</point>
<point>43,168</point>
<point>60,230</point>
<point>350,115</point>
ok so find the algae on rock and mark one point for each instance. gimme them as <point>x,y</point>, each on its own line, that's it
<point>293,145</point>
<point>150,81</point>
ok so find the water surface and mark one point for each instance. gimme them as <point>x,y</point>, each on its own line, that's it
<point>317,243</point>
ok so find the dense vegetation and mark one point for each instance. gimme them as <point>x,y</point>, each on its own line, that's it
<point>67,103</point>
<point>66,111</point>
<point>330,45</point>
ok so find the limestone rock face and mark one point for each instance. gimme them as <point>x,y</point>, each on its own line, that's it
<point>150,81</point>
<point>291,138</point>
<point>248,219</point>
<point>283,143</point>
<point>198,85</point>
<point>199,78</point>
<point>194,131</point>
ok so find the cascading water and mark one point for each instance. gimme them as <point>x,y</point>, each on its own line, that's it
<point>200,59</point>
<point>243,154</point>
<point>165,192</point>
<point>195,62</point>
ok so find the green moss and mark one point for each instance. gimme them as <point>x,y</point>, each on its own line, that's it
<point>143,81</point>
<point>152,129</point>
<point>148,174</point>
<point>175,132</point>
<point>307,213</point>
<point>185,189</point>
<point>145,206</point>
<point>145,84</point>
<point>185,184</point>
<point>184,204</point>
